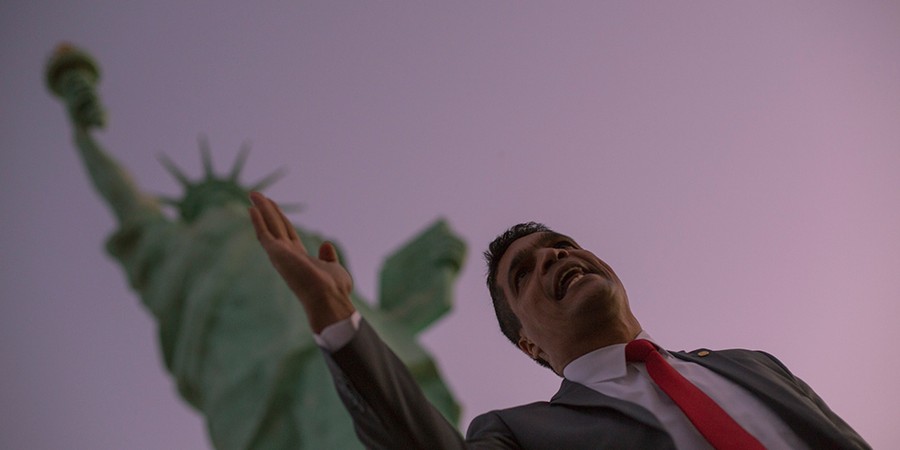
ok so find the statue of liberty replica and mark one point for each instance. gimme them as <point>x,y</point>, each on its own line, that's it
<point>232,334</point>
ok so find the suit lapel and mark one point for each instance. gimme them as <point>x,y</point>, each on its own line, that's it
<point>576,394</point>
<point>773,388</point>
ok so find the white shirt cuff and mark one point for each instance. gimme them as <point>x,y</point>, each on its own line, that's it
<point>338,334</point>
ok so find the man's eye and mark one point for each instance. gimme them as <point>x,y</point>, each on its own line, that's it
<point>563,244</point>
<point>520,275</point>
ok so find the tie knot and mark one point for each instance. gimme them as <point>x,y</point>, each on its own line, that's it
<point>638,349</point>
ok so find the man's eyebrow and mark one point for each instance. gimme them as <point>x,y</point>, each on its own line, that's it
<point>546,238</point>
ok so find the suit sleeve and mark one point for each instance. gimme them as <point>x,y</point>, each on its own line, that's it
<point>848,432</point>
<point>389,409</point>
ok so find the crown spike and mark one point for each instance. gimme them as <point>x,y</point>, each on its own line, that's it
<point>268,180</point>
<point>206,156</point>
<point>173,170</point>
<point>239,162</point>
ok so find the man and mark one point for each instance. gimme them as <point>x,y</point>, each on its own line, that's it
<point>566,309</point>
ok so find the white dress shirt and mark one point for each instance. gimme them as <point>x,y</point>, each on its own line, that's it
<point>606,371</point>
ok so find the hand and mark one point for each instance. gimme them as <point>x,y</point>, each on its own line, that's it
<point>321,284</point>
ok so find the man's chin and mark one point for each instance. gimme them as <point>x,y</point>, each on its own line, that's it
<point>590,289</point>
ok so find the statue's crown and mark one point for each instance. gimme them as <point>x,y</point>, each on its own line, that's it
<point>213,190</point>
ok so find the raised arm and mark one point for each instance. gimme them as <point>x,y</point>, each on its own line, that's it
<point>389,409</point>
<point>72,75</point>
<point>112,181</point>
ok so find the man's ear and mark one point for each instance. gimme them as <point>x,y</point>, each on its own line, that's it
<point>529,348</point>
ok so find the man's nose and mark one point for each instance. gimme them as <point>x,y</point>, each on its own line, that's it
<point>550,256</point>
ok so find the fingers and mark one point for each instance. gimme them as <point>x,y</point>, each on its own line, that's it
<point>262,232</point>
<point>291,231</point>
<point>270,214</point>
<point>327,252</point>
<point>270,222</point>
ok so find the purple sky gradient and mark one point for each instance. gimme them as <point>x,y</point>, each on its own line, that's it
<point>737,165</point>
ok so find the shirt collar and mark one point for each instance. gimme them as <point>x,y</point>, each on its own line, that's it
<point>603,364</point>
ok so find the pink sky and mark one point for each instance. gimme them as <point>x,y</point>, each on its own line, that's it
<point>736,164</point>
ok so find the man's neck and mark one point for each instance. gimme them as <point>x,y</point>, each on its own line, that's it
<point>622,332</point>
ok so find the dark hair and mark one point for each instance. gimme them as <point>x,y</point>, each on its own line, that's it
<point>509,323</point>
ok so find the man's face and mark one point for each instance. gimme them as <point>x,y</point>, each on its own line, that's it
<point>568,300</point>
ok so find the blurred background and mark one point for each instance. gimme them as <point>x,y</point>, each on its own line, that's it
<point>736,164</point>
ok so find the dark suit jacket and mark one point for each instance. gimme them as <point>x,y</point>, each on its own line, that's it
<point>390,412</point>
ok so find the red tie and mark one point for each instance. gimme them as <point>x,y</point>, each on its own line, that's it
<point>710,419</point>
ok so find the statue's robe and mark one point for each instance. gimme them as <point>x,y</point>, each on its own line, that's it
<point>236,339</point>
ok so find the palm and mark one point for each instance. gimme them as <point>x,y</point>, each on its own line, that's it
<point>305,274</point>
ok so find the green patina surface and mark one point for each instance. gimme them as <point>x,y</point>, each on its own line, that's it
<point>232,335</point>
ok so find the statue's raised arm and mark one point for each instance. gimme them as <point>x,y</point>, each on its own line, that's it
<point>72,75</point>
<point>231,333</point>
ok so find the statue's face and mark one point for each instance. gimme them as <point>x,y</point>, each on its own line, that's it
<point>210,194</point>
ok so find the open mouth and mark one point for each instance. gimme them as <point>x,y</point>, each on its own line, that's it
<point>568,277</point>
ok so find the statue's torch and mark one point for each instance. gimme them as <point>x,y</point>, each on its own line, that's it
<point>73,75</point>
